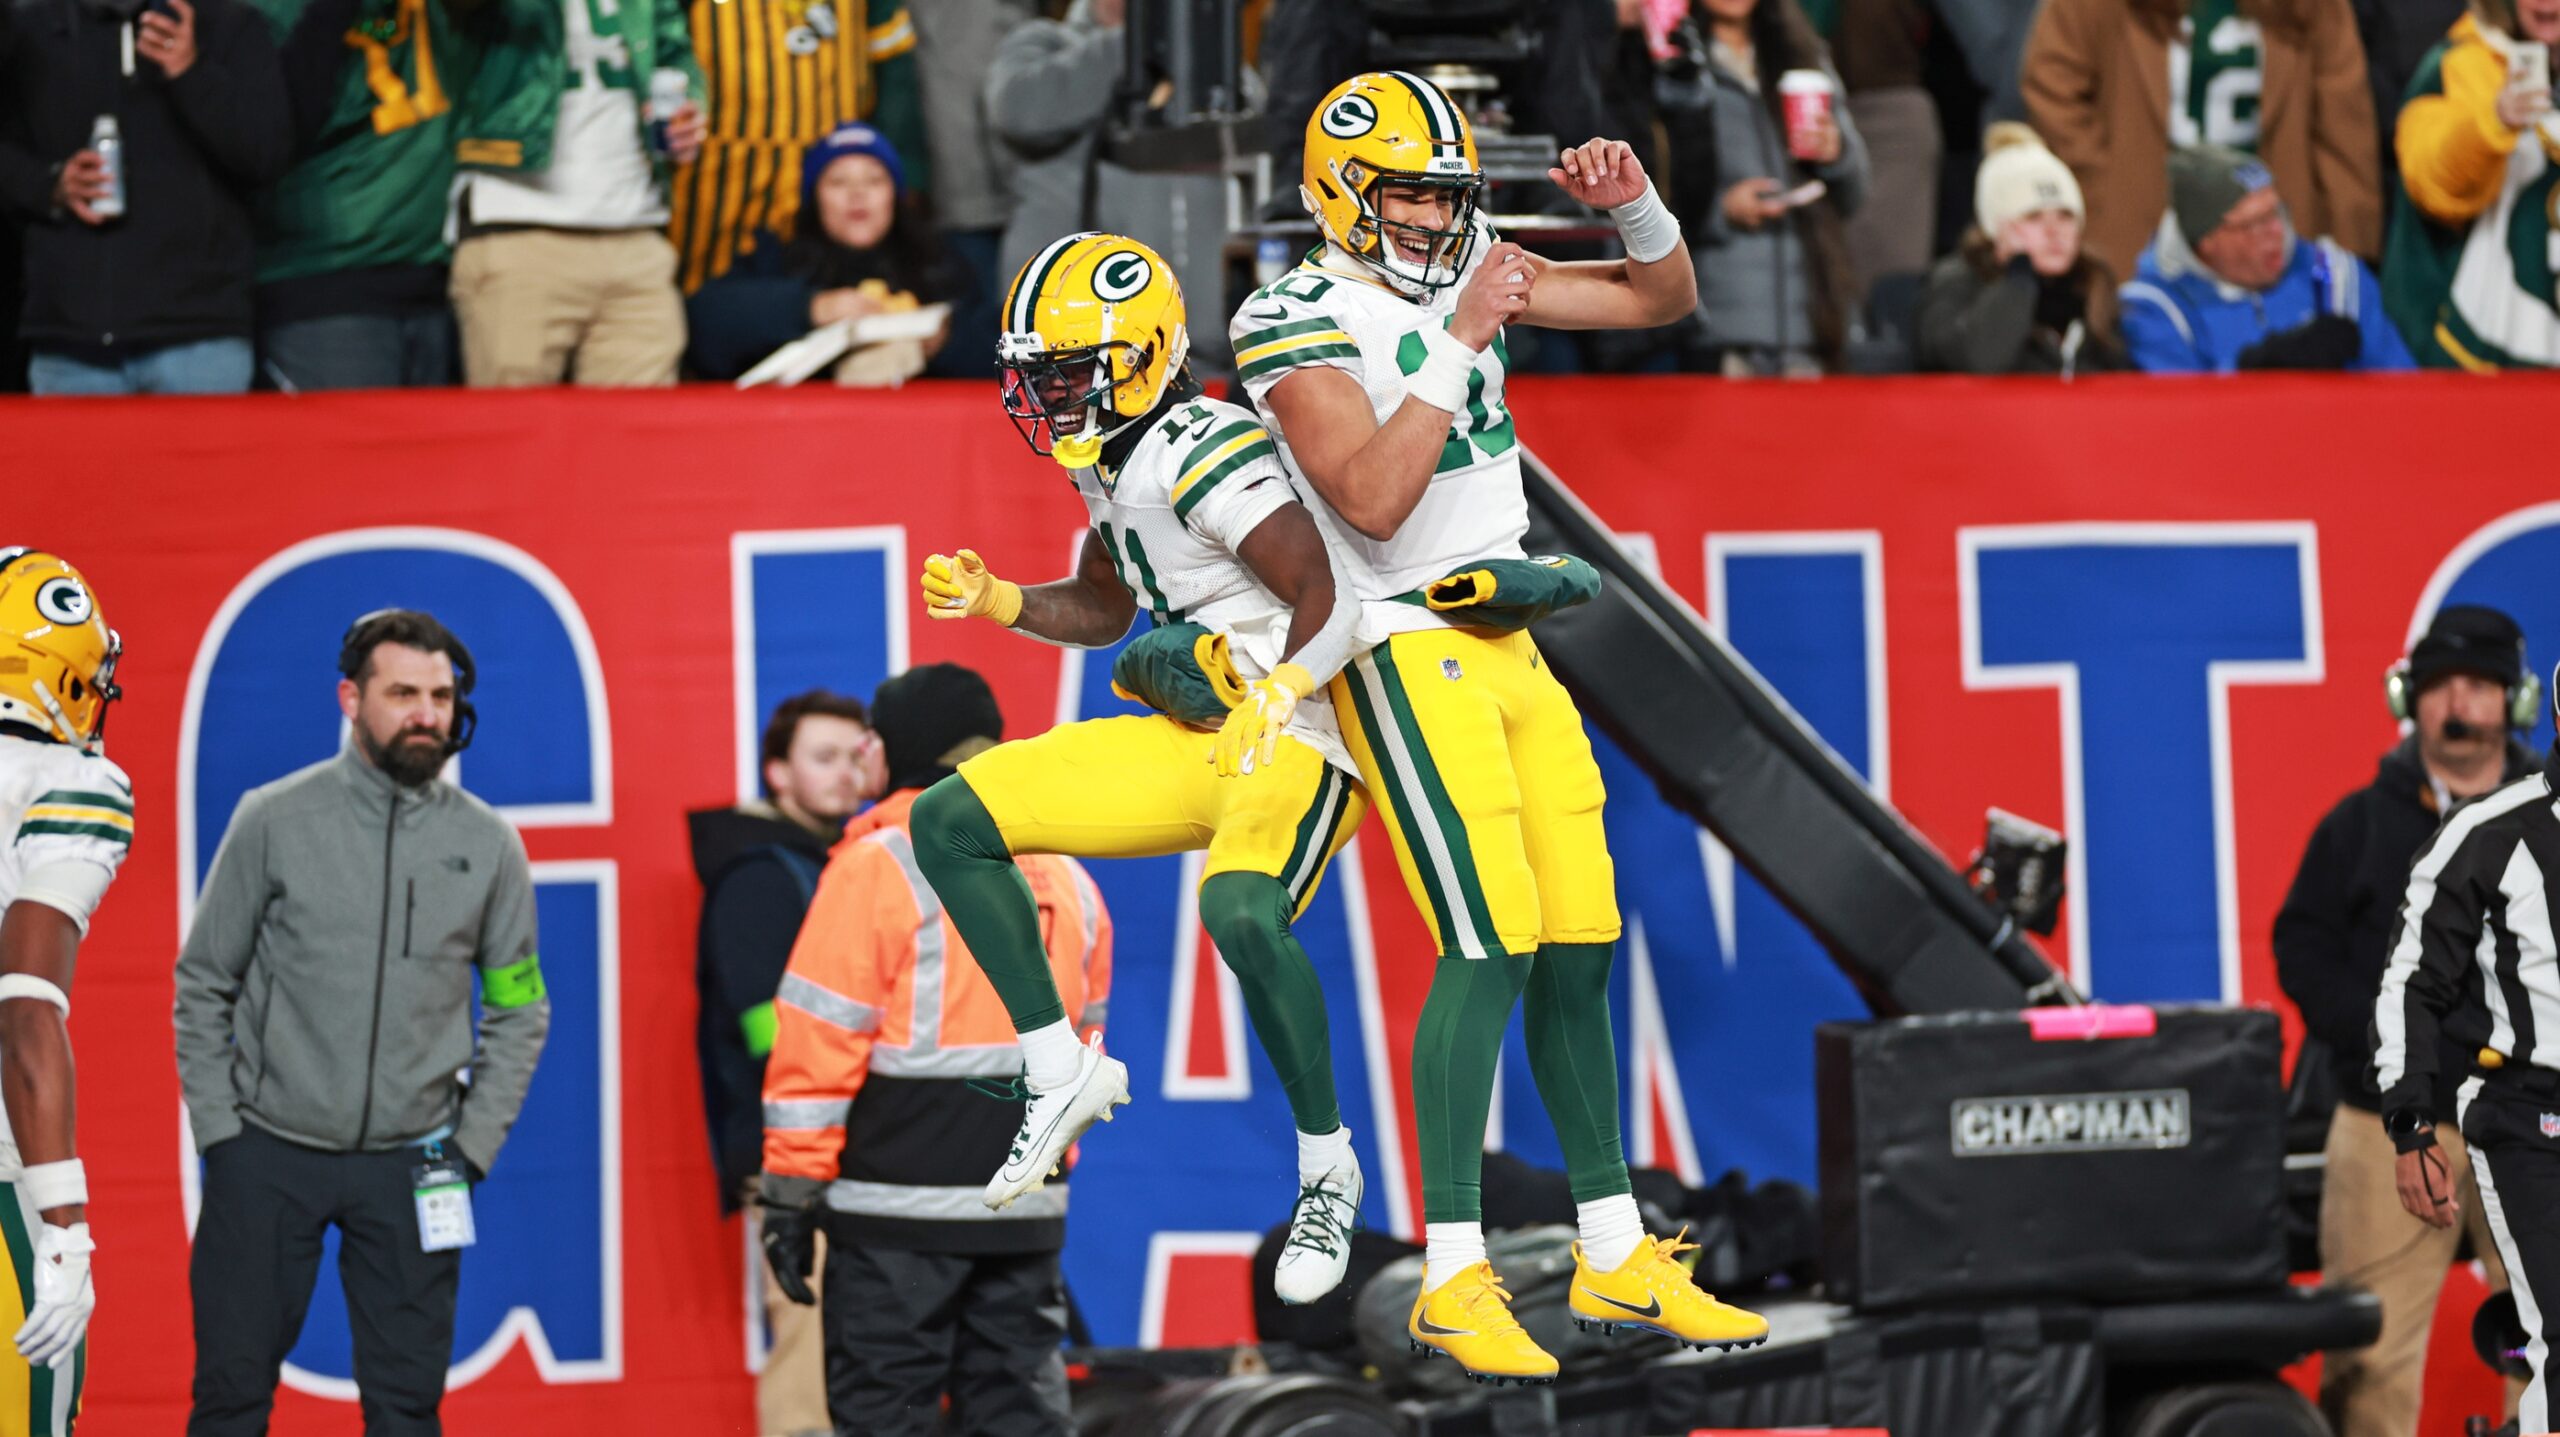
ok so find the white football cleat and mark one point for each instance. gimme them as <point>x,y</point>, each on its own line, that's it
<point>1320,1227</point>
<point>1052,1121</point>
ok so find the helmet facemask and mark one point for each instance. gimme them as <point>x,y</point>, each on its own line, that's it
<point>1416,259</point>
<point>1066,402</point>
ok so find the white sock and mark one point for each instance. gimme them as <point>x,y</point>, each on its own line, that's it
<point>1611,1228</point>
<point>1051,1055</point>
<point>1449,1248</point>
<point>1321,1153</point>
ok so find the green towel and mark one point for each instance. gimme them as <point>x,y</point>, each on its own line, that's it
<point>1509,593</point>
<point>1182,670</point>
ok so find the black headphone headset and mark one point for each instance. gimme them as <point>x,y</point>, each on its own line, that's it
<point>2524,697</point>
<point>367,633</point>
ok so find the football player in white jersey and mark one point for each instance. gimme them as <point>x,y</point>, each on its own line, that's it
<point>1193,520</point>
<point>1379,364</point>
<point>66,818</point>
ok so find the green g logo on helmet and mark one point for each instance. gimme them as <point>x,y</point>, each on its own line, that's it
<point>64,601</point>
<point>1121,275</point>
<point>1350,117</point>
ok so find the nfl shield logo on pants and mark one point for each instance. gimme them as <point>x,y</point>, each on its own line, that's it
<point>1449,669</point>
<point>2551,1125</point>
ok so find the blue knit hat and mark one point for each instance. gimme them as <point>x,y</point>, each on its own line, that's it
<point>855,139</point>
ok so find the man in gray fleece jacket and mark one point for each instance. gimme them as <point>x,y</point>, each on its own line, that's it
<point>325,1038</point>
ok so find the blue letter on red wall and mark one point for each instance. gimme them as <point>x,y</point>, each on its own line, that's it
<point>2143,630</point>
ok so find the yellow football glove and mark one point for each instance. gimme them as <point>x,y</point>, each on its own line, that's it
<point>958,586</point>
<point>1251,734</point>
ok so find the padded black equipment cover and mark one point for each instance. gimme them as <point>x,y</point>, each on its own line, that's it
<point>1727,751</point>
<point>1962,1159</point>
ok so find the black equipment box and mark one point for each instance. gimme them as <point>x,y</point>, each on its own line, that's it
<point>1965,1158</point>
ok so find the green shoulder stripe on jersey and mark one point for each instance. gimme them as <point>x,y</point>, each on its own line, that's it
<point>515,985</point>
<point>85,798</point>
<point>1261,448</point>
<point>1207,449</point>
<point>757,1026</point>
<point>1291,330</point>
<point>1295,357</point>
<point>41,827</point>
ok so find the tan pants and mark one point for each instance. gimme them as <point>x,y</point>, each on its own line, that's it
<point>791,1393</point>
<point>538,306</point>
<point>2368,1239</point>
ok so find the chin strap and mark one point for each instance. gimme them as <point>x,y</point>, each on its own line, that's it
<point>61,720</point>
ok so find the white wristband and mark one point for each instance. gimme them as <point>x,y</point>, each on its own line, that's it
<point>52,1185</point>
<point>1442,380</point>
<point>1646,226</point>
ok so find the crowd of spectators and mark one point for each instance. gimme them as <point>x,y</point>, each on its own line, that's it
<point>206,196</point>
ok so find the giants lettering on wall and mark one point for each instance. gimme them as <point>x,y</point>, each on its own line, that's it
<point>1976,594</point>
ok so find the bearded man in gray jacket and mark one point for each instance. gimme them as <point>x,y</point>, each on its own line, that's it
<point>333,1076</point>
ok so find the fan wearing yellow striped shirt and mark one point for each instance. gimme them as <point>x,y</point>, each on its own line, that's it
<point>780,75</point>
<point>1194,520</point>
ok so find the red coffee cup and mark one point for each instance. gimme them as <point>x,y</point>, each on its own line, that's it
<point>1804,97</point>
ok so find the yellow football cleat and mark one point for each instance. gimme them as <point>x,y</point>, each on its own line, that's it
<point>1653,1291</point>
<point>1468,1318</point>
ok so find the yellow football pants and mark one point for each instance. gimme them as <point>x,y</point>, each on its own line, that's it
<point>1140,786</point>
<point>1488,787</point>
<point>34,1401</point>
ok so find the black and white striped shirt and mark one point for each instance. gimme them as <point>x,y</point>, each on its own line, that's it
<point>2474,956</point>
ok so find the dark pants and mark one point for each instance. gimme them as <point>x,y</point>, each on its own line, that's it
<point>403,349</point>
<point>267,1203</point>
<point>2515,1152</point>
<point>906,1328</point>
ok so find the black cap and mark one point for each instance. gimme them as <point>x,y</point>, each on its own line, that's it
<point>2468,639</point>
<point>930,718</point>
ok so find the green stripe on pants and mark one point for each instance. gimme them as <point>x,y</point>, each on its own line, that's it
<point>1425,771</point>
<point>15,1225</point>
<point>1363,677</point>
<point>1315,828</point>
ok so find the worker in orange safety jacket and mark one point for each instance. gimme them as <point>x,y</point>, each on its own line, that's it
<point>881,1121</point>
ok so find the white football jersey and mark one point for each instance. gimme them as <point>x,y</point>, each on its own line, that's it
<point>1338,314</point>
<point>66,819</point>
<point>1173,517</point>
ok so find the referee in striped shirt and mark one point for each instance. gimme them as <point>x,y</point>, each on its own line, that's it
<point>2475,959</point>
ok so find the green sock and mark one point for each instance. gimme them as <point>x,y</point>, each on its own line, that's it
<point>971,870</point>
<point>1574,1058</point>
<point>1247,915</point>
<point>1455,1046</point>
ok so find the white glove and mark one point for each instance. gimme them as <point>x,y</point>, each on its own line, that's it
<point>64,1298</point>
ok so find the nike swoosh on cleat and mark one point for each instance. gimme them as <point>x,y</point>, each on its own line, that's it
<point>1430,1328</point>
<point>1046,1131</point>
<point>1652,1308</point>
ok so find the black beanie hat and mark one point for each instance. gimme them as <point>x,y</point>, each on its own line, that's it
<point>930,718</point>
<point>2469,639</point>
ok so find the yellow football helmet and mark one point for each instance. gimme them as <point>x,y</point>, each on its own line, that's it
<point>1390,128</point>
<point>1093,336</point>
<point>57,656</point>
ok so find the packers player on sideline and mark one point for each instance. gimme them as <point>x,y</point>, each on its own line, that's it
<point>1379,364</point>
<point>66,817</point>
<point>1191,510</point>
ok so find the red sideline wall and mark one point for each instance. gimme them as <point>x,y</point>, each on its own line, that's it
<point>2383,488</point>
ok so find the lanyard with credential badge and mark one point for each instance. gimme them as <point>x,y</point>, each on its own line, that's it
<point>443,1192</point>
